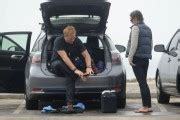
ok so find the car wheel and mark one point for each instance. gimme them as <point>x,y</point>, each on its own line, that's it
<point>121,102</point>
<point>2,88</point>
<point>178,82</point>
<point>31,104</point>
<point>161,96</point>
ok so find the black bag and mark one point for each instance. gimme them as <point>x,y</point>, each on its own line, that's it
<point>108,101</point>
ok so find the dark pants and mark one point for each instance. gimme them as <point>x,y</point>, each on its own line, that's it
<point>61,69</point>
<point>140,71</point>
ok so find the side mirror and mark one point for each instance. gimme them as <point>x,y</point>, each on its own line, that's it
<point>120,48</point>
<point>159,48</point>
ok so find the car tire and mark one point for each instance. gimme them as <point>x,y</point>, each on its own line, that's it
<point>3,88</point>
<point>162,97</point>
<point>121,102</point>
<point>31,104</point>
<point>178,82</point>
<point>121,96</point>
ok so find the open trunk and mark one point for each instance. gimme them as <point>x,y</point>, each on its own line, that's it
<point>86,15</point>
<point>94,45</point>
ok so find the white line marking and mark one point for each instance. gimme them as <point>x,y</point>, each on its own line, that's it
<point>161,107</point>
<point>19,108</point>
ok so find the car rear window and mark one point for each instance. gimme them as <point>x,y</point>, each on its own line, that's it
<point>74,19</point>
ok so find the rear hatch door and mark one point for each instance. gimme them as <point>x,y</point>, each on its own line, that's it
<point>87,17</point>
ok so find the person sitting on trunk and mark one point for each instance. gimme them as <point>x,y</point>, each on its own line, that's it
<point>70,58</point>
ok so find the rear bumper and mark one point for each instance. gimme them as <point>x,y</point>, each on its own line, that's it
<point>40,86</point>
<point>82,93</point>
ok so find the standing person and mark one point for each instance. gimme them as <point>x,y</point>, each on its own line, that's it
<point>70,57</point>
<point>139,52</point>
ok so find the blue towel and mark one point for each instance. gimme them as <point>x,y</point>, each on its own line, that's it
<point>48,109</point>
<point>78,105</point>
<point>78,108</point>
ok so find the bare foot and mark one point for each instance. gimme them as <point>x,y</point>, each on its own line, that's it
<point>143,110</point>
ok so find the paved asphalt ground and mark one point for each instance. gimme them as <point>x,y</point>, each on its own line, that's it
<point>12,107</point>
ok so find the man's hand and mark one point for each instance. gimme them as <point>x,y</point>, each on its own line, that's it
<point>79,73</point>
<point>130,62</point>
<point>89,71</point>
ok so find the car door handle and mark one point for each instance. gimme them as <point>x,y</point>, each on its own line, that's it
<point>178,59</point>
<point>169,60</point>
<point>17,57</point>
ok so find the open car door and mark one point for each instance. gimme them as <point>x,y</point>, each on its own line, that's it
<point>14,51</point>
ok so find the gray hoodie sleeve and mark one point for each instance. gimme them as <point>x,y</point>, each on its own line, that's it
<point>134,42</point>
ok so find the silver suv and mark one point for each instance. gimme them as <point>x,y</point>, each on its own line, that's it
<point>90,18</point>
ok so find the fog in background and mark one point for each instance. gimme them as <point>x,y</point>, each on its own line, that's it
<point>160,15</point>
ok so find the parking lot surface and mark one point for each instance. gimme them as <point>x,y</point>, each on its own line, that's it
<point>15,109</point>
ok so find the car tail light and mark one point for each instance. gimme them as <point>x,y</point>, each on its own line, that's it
<point>117,88</point>
<point>37,90</point>
<point>36,58</point>
<point>116,58</point>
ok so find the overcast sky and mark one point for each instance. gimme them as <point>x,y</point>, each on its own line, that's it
<point>162,16</point>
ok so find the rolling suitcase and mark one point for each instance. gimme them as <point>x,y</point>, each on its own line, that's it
<point>108,101</point>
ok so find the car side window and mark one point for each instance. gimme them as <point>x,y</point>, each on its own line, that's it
<point>174,42</point>
<point>98,44</point>
<point>13,42</point>
<point>83,38</point>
